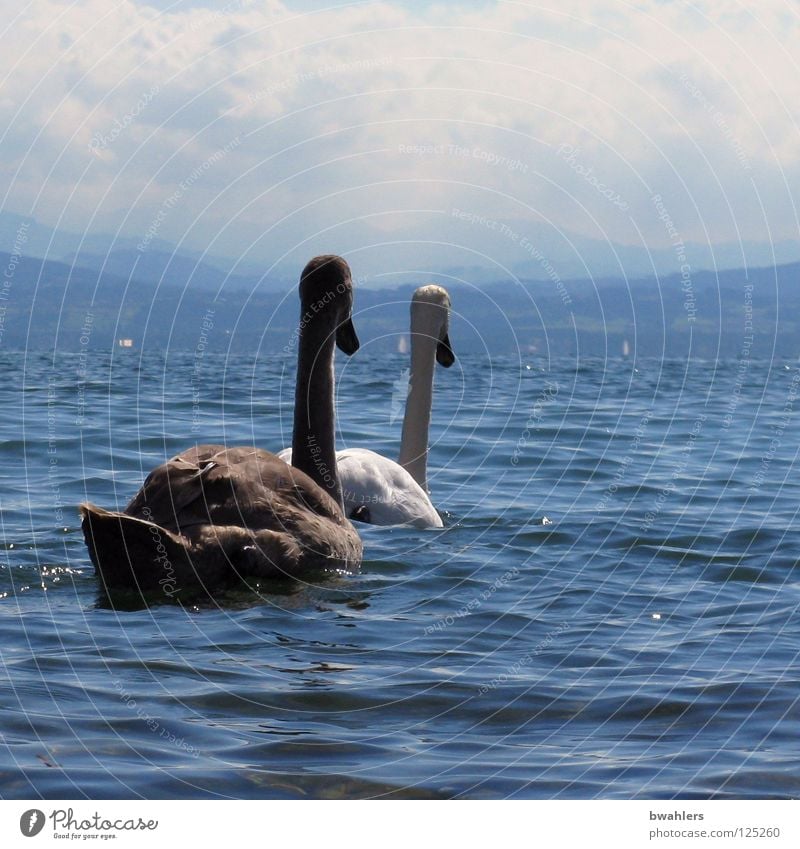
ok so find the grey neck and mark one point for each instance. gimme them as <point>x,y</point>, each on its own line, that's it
<point>417,420</point>
<point>313,449</point>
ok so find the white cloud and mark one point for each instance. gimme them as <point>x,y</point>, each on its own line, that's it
<point>694,102</point>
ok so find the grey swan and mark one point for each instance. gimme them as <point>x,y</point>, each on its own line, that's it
<point>213,514</point>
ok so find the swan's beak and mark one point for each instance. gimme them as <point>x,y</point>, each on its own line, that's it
<point>444,352</point>
<point>346,337</point>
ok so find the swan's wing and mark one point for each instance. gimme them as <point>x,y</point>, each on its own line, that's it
<point>168,492</point>
<point>214,485</point>
<point>385,488</point>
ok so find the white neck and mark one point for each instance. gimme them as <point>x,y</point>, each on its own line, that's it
<point>414,442</point>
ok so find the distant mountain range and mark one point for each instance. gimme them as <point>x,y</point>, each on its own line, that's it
<point>161,299</point>
<point>459,244</point>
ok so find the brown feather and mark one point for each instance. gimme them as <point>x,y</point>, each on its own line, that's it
<point>212,514</point>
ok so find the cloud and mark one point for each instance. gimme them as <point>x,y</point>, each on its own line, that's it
<point>571,116</point>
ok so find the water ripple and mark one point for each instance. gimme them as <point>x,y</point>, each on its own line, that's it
<point>641,642</point>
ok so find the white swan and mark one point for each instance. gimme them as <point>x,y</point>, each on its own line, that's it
<point>379,490</point>
<point>212,514</point>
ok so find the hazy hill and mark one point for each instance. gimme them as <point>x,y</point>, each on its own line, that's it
<point>172,269</point>
<point>445,240</point>
<point>48,304</point>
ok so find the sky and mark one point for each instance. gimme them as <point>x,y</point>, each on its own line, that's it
<point>456,132</point>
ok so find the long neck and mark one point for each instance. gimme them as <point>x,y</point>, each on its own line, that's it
<point>417,420</point>
<point>313,450</point>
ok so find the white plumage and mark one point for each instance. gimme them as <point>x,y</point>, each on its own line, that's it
<point>382,487</point>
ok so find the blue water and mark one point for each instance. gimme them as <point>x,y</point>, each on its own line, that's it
<point>644,643</point>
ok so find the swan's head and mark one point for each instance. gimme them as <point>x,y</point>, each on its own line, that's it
<point>326,288</point>
<point>430,318</point>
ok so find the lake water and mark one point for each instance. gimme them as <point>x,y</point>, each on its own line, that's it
<point>643,644</point>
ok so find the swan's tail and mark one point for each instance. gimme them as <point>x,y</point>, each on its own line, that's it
<point>135,554</point>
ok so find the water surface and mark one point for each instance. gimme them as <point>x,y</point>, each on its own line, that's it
<point>644,643</point>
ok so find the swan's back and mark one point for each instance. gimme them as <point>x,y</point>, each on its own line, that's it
<point>382,487</point>
<point>212,484</point>
<point>213,513</point>
<point>385,488</point>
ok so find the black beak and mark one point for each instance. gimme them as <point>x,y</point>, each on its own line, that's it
<point>444,353</point>
<point>346,337</point>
